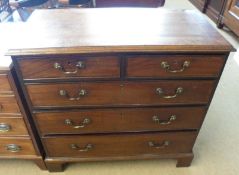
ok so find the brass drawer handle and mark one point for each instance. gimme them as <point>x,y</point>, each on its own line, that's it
<point>6,94</point>
<point>81,93</point>
<point>79,65</point>
<point>4,127</point>
<point>159,145</point>
<point>156,119</point>
<point>85,122</point>
<point>87,148</point>
<point>166,66</point>
<point>178,91</point>
<point>13,148</point>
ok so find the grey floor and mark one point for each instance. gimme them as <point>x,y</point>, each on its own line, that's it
<point>216,149</point>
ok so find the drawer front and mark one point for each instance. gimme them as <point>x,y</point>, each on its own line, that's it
<point>4,84</point>
<point>125,93</point>
<point>16,146</point>
<point>120,120</point>
<point>78,94</point>
<point>8,105</point>
<point>119,145</point>
<point>162,66</point>
<point>168,92</point>
<point>12,126</point>
<point>70,66</point>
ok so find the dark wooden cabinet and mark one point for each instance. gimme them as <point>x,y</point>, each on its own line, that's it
<point>222,12</point>
<point>231,15</point>
<point>213,8</point>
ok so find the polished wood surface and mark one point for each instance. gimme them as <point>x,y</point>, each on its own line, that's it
<point>117,93</point>
<point>4,84</point>
<point>129,3</point>
<point>9,105</point>
<point>93,67</point>
<point>25,143</point>
<point>104,30</point>
<point>118,120</point>
<point>17,127</point>
<point>117,145</point>
<point>150,66</point>
<point>114,117</point>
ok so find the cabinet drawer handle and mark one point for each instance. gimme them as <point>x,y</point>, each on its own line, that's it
<point>87,148</point>
<point>85,122</point>
<point>4,127</point>
<point>79,65</point>
<point>178,91</point>
<point>164,144</point>
<point>166,66</point>
<point>13,148</point>
<point>7,94</point>
<point>156,119</point>
<point>81,93</point>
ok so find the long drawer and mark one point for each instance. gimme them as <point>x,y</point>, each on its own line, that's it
<point>119,145</point>
<point>119,120</point>
<point>16,146</point>
<point>9,105</point>
<point>12,127</point>
<point>121,93</point>
<point>174,66</point>
<point>70,67</point>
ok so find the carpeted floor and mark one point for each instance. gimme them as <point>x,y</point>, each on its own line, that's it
<point>217,147</point>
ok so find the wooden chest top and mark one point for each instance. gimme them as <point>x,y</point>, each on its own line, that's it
<point>69,31</point>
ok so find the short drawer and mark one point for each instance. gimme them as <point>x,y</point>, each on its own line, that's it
<point>4,84</point>
<point>119,145</point>
<point>120,120</point>
<point>117,93</point>
<point>8,105</point>
<point>70,66</point>
<point>173,66</point>
<point>12,127</point>
<point>17,146</point>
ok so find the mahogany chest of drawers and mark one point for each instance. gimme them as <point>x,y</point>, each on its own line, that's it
<point>118,84</point>
<point>16,136</point>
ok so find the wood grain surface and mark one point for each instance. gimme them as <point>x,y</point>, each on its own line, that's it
<point>24,142</point>
<point>17,127</point>
<point>150,66</point>
<point>94,67</point>
<point>4,83</point>
<point>117,30</point>
<point>9,105</point>
<point>120,93</point>
<point>118,145</point>
<point>120,120</point>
